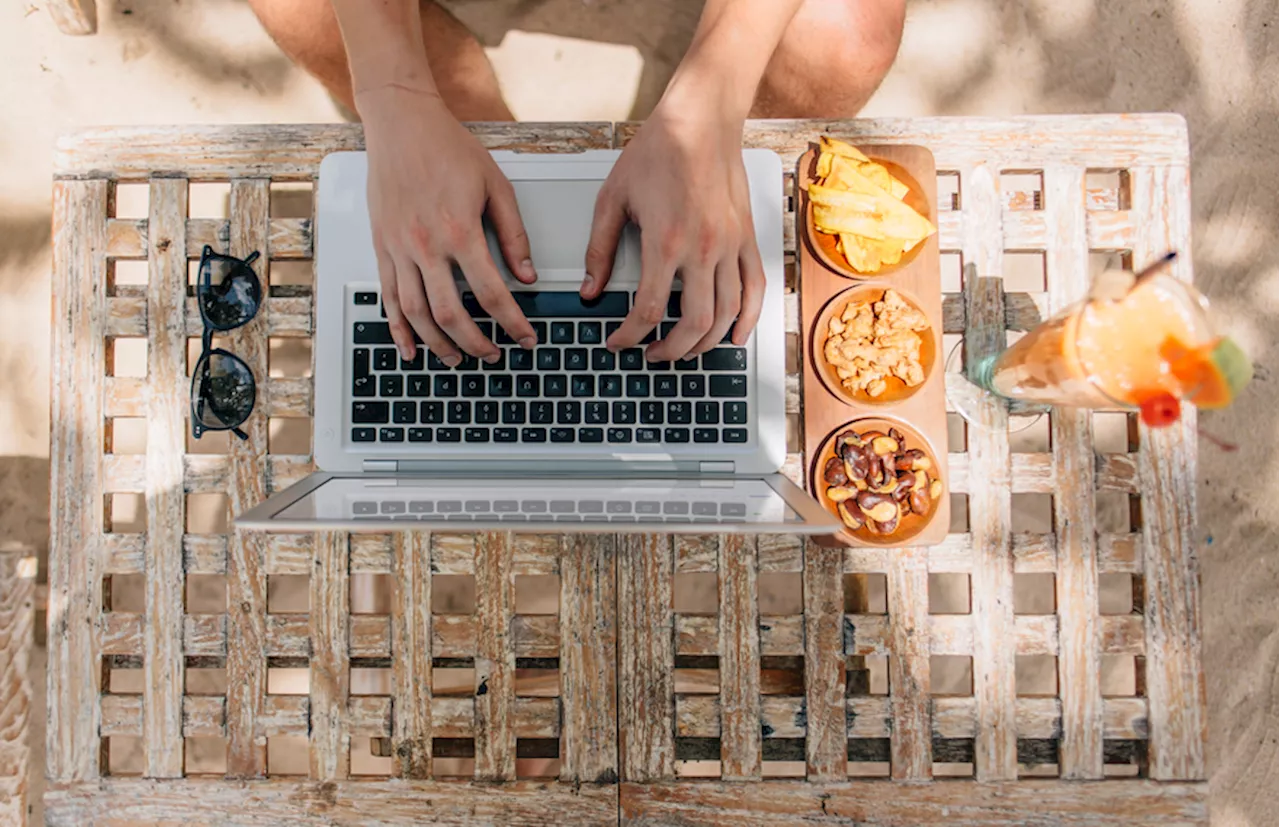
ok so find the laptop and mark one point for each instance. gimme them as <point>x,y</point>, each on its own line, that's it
<point>565,437</point>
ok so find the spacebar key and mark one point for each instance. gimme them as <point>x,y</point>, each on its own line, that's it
<point>557,304</point>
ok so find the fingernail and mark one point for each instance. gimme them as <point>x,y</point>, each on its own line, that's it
<point>452,361</point>
<point>526,267</point>
<point>588,283</point>
<point>687,357</point>
<point>491,359</point>
<point>528,342</point>
<point>406,353</point>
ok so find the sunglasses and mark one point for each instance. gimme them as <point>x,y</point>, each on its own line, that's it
<point>223,390</point>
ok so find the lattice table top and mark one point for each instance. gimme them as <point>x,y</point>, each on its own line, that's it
<point>668,670</point>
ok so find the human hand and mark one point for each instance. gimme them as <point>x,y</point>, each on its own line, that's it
<point>430,182</point>
<point>682,181</point>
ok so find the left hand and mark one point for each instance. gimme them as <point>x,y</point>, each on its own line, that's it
<point>682,181</point>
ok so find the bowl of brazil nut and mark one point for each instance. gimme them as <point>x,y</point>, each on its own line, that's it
<point>873,345</point>
<point>881,478</point>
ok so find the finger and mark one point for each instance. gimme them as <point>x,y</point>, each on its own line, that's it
<point>486,284</point>
<point>656,274</point>
<point>401,330</point>
<point>414,308</point>
<point>451,316</point>
<point>728,303</point>
<point>606,229</point>
<point>513,239</point>
<point>753,284</point>
<point>697,312</point>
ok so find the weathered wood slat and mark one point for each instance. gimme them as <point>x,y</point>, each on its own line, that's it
<point>76,562</point>
<point>453,717</point>
<point>739,660</point>
<point>246,576</point>
<point>198,473</point>
<point>1036,473</point>
<point>824,665</point>
<point>290,238</point>
<point>126,396</point>
<point>910,754</point>
<point>162,478</point>
<point>411,645</point>
<point>330,673</point>
<point>588,659</point>
<point>995,746</point>
<point>495,662</point>
<point>1075,524</point>
<point>17,612</point>
<point>286,315</point>
<point>1167,470</point>
<point>646,658</point>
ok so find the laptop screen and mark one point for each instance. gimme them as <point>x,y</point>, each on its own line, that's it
<point>580,500</point>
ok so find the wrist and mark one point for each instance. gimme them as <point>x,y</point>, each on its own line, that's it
<point>394,97</point>
<point>706,84</point>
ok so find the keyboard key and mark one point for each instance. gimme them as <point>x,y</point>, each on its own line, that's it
<point>562,333</point>
<point>735,434</point>
<point>679,413</point>
<point>602,359</point>
<point>624,413</point>
<point>392,385</point>
<point>651,413</point>
<point>648,435</point>
<point>548,358</point>
<point>706,435</point>
<point>533,434</point>
<point>360,361</point>
<point>704,509</point>
<point>486,328</point>
<point>725,358</point>
<point>541,412</point>
<point>366,412</point>
<point>673,304</point>
<point>555,384</point>
<point>610,385</point>
<point>675,435</point>
<point>595,413</point>
<point>473,384</point>
<point>391,434</point>
<point>657,366</point>
<point>562,435</point>
<point>446,386</point>
<point>664,329</point>
<point>513,413</point>
<point>610,328</point>
<point>468,362</point>
<point>637,386</point>
<point>503,338</point>
<point>419,384</point>
<point>729,385</point>
<point>568,413</point>
<point>415,363</point>
<point>404,413</point>
<point>476,434</point>
<point>372,333</point>
<point>366,298</point>
<point>631,359</point>
<point>382,310</point>
<point>540,331</point>
<point>664,384</point>
<point>733,509</point>
<point>620,435</point>
<point>363,435</point>
<point>448,435</point>
<point>486,412</point>
<point>707,413</point>
<point>501,364</point>
<point>419,434</point>
<point>558,304</point>
<point>520,359</point>
<point>650,337</point>
<point>528,385</point>
<point>575,358</point>
<point>431,413</point>
<point>589,333</point>
<point>735,413</point>
<point>590,435</point>
<point>505,435</point>
<point>364,386</point>
<point>500,386</point>
<point>687,364</point>
<point>693,386</point>
<point>582,385</point>
<point>434,363</point>
<point>460,413</point>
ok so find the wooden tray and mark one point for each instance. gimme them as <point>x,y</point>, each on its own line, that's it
<point>821,283</point>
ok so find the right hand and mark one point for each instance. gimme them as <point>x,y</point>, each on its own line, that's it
<point>430,182</point>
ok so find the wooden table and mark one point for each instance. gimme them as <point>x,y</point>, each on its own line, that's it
<point>647,694</point>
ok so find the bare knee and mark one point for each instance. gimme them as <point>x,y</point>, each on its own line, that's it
<point>307,32</point>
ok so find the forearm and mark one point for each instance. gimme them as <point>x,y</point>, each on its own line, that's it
<point>383,39</point>
<point>729,53</point>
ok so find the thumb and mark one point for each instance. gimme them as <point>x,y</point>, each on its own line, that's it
<point>504,212</point>
<point>606,228</point>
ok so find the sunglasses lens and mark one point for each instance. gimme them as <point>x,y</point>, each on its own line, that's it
<point>231,293</point>
<point>223,391</point>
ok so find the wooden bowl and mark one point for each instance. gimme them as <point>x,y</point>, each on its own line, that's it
<point>823,245</point>
<point>910,525</point>
<point>898,390</point>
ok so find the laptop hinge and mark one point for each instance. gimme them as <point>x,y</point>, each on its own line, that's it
<point>716,467</point>
<point>380,465</point>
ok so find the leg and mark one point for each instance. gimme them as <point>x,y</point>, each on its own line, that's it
<point>831,59</point>
<point>307,32</point>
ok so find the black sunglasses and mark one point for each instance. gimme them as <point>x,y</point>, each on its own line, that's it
<point>223,390</point>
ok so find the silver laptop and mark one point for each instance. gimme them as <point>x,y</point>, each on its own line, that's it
<point>564,437</point>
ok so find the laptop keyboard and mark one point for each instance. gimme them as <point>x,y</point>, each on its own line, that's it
<point>568,390</point>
